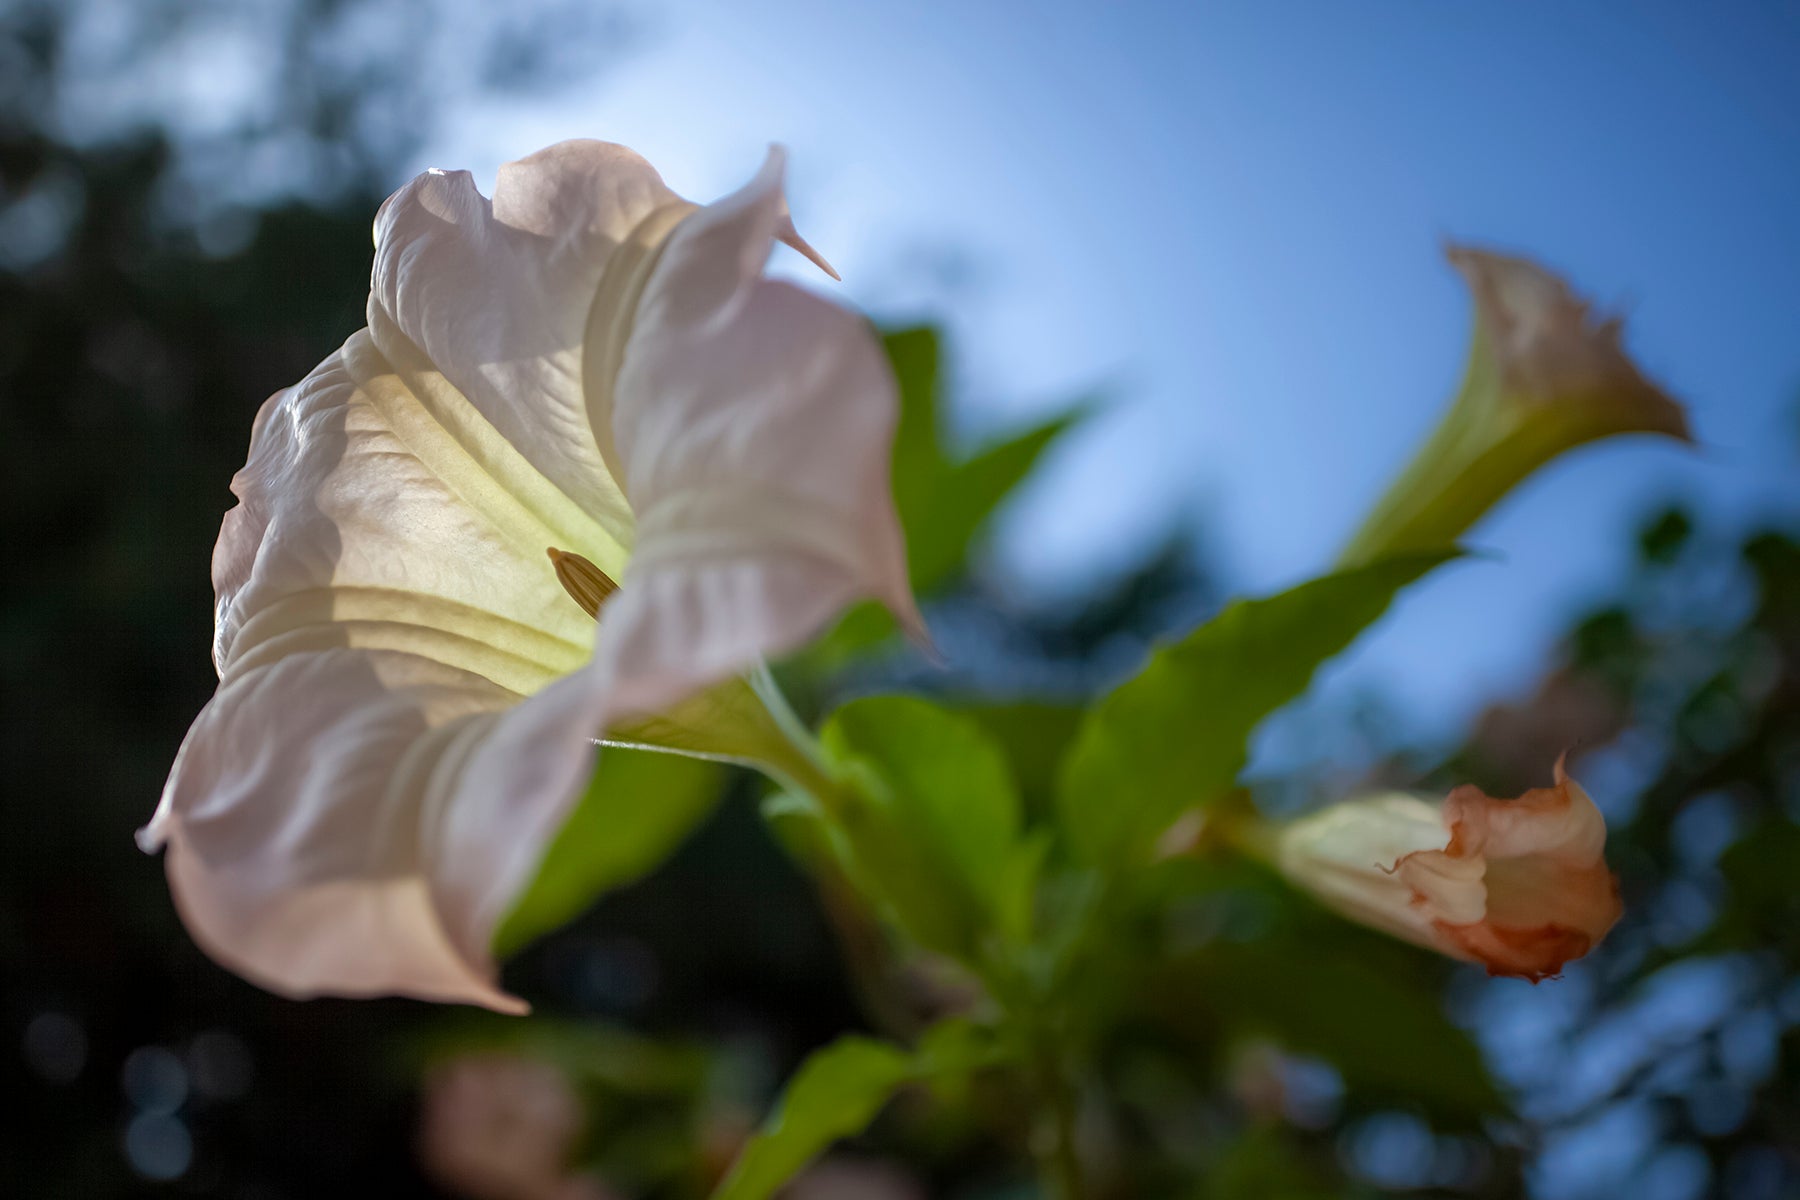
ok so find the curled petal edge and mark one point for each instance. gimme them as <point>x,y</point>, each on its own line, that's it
<point>1549,896</point>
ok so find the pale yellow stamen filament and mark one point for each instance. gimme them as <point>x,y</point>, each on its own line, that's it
<point>586,584</point>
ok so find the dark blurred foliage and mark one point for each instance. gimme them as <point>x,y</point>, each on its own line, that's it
<point>152,294</point>
<point>140,328</point>
<point>1677,1044</point>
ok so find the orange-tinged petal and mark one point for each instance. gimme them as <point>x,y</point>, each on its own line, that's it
<point>1549,895</point>
<point>1520,886</point>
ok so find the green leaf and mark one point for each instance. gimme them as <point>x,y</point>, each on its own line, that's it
<point>1176,735</point>
<point>835,1094</point>
<point>1033,736</point>
<point>918,455</point>
<point>1386,1033</point>
<point>940,529</point>
<point>939,825</point>
<point>639,806</point>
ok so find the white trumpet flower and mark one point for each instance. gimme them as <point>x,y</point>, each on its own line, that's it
<point>584,380</point>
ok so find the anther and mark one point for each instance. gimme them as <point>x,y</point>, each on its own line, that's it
<point>586,584</point>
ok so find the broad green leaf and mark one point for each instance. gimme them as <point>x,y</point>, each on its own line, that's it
<point>940,530</point>
<point>1384,1032</point>
<point>1176,735</point>
<point>639,806</point>
<point>940,819</point>
<point>835,1094</point>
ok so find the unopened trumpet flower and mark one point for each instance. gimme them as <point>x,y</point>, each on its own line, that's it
<point>583,384</point>
<point>1544,375</point>
<point>1519,886</point>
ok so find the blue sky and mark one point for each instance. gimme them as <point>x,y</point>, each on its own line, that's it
<point>1231,218</point>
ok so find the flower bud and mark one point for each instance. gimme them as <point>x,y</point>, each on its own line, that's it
<point>1544,376</point>
<point>1520,886</point>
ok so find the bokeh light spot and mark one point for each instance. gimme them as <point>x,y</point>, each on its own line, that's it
<point>158,1146</point>
<point>154,1080</point>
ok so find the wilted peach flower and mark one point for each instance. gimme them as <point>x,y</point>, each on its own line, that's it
<point>584,380</point>
<point>1520,886</point>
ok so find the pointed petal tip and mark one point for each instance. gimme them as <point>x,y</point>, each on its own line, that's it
<point>790,237</point>
<point>508,1005</point>
<point>912,625</point>
<point>772,176</point>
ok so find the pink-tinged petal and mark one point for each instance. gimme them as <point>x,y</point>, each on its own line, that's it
<point>753,422</point>
<point>496,294</point>
<point>293,833</point>
<point>365,794</point>
<point>408,698</point>
<point>356,823</point>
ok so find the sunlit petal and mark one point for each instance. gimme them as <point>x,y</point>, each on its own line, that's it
<point>494,296</point>
<point>753,422</point>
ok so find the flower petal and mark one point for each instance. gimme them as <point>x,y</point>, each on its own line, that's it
<point>496,295</point>
<point>361,522</point>
<point>1549,349</point>
<point>1550,896</point>
<point>1345,856</point>
<point>408,699</point>
<point>353,811</point>
<point>293,849</point>
<point>1520,886</point>
<point>354,823</point>
<point>753,422</point>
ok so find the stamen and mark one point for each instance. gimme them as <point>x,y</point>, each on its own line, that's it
<point>586,584</point>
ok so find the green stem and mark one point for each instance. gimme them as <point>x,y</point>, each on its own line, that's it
<point>800,761</point>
